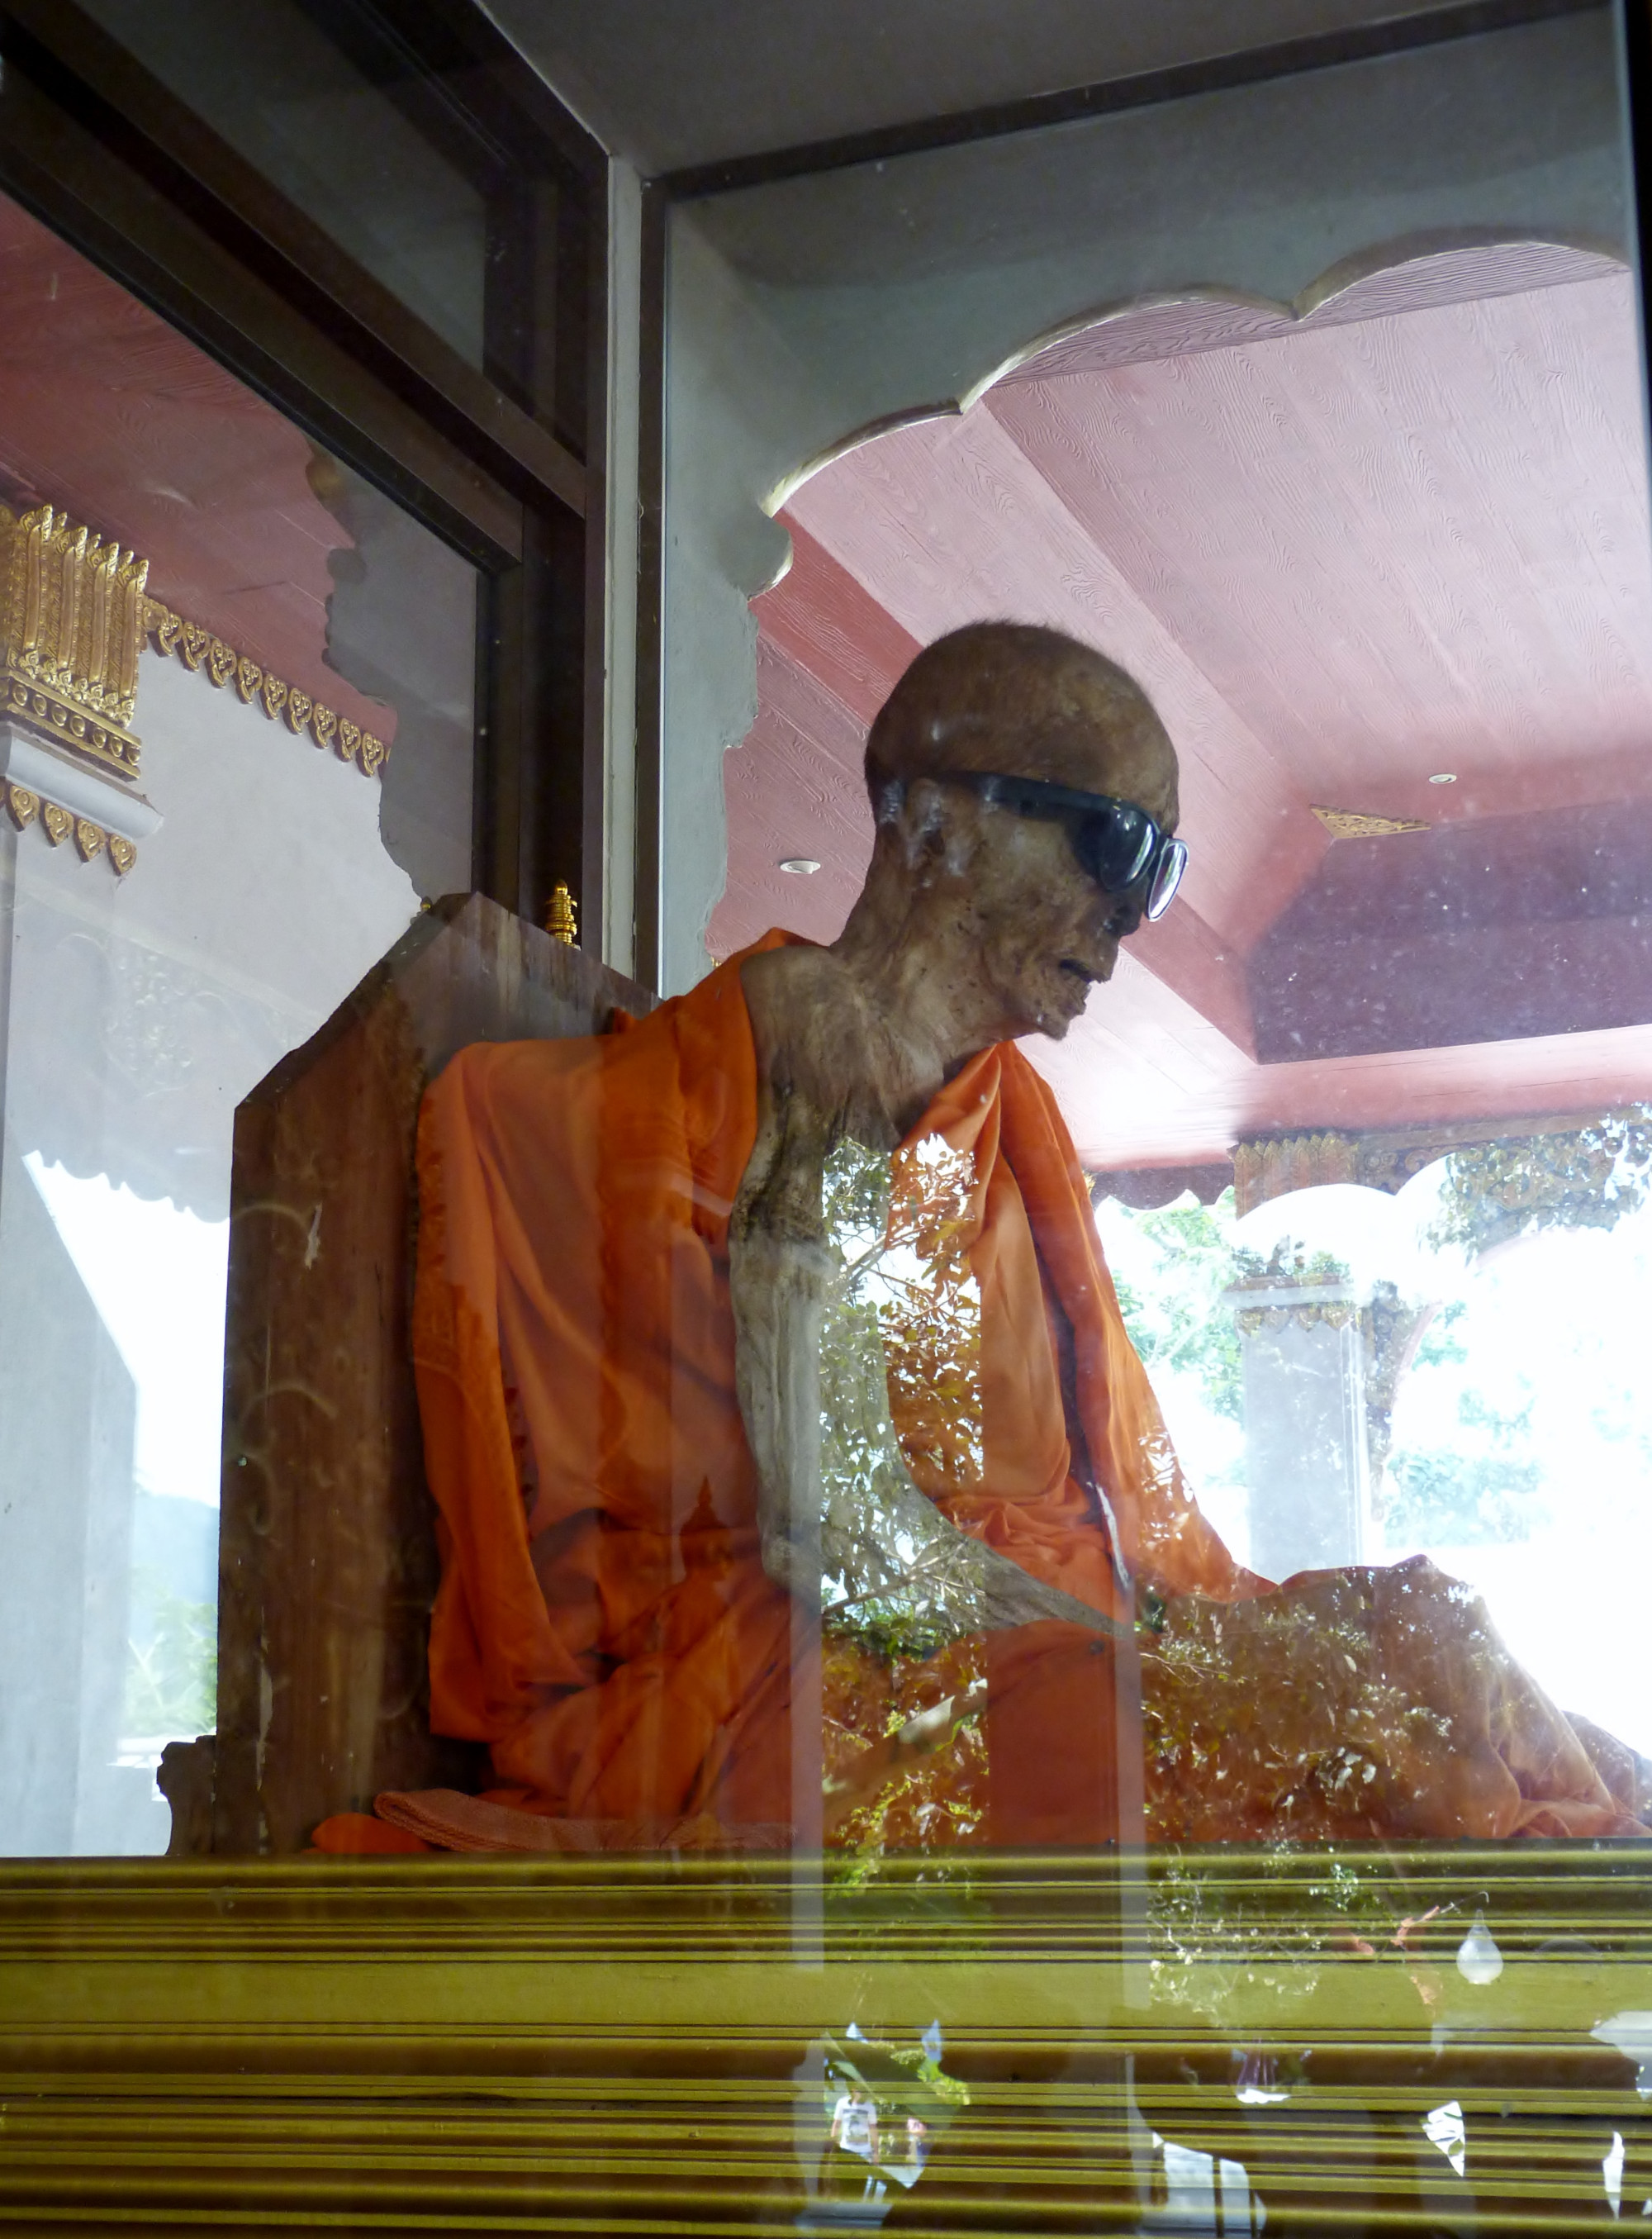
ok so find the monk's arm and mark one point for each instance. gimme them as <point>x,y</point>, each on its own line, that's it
<point>779,1278</point>
<point>782,1278</point>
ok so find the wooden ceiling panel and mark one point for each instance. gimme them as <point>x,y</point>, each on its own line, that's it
<point>1144,1081</point>
<point>1412,544</point>
<point>833,627</point>
<point>111,414</point>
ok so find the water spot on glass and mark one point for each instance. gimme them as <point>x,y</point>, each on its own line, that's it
<point>1479,1961</point>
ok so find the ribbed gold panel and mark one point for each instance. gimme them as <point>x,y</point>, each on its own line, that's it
<point>1219,2042</point>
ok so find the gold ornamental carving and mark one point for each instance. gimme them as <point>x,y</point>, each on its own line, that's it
<point>1268,1166</point>
<point>1337,1315</point>
<point>199,650</point>
<point>1354,824</point>
<point>72,628</point>
<point>91,840</point>
<point>24,806</point>
<point>75,616</point>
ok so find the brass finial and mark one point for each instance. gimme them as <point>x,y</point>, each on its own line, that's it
<point>561,918</point>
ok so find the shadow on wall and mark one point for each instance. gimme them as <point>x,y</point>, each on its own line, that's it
<point>401,627</point>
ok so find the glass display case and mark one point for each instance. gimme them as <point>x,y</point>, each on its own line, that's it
<point>977,1562</point>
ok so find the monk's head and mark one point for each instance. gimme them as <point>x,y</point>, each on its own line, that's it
<point>1004,887</point>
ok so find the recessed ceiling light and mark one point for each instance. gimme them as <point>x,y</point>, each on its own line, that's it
<point>802,865</point>
<point>1444,777</point>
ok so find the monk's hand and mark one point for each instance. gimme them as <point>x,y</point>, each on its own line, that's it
<point>1347,1702</point>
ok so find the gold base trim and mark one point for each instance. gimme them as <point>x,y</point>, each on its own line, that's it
<point>639,2045</point>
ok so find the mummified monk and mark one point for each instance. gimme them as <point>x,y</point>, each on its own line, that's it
<point>625,1273</point>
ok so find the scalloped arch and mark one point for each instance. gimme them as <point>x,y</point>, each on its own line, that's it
<point>1417,272</point>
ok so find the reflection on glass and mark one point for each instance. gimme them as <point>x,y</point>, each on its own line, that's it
<point>906,1558</point>
<point>285,93</point>
<point>887,2102</point>
<point>1502,1438</point>
<point>183,898</point>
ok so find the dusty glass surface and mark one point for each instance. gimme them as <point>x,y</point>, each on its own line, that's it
<point>1083,1467</point>
<point>285,90</point>
<point>226,661</point>
<point>773,1387</point>
<point>1327,425</point>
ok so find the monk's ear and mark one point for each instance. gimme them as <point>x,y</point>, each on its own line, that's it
<point>931,827</point>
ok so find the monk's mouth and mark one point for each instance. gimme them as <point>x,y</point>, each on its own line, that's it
<point>1080,972</point>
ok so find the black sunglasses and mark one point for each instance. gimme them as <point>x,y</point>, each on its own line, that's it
<point>1118,844</point>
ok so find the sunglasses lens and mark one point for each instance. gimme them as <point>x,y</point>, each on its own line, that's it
<point>1116,847</point>
<point>1167,876</point>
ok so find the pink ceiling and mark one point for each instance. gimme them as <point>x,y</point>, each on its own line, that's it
<point>1408,534</point>
<point>110,414</point>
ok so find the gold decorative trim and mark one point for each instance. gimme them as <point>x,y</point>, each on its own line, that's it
<point>23,806</point>
<point>1268,1166</point>
<point>71,633</point>
<point>1353,824</point>
<point>1250,1320</point>
<point>198,649</point>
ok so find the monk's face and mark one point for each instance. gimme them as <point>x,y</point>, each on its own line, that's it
<point>1041,931</point>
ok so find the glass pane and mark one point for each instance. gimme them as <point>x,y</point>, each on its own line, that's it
<point>280,89</point>
<point>1334,446</point>
<point>238,750</point>
<point>1281,1603</point>
<point>1031,1409</point>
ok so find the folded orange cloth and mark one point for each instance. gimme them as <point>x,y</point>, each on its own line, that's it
<point>443,1819</point>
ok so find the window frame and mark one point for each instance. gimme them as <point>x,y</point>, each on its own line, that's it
<point>101,150</point>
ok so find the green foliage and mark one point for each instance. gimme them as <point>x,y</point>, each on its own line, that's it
<point>172,1679</point>
<point>1439,1347</point>
<point>889,1627</point>
<point>1483,1491</point>
<point>1588,1178</point>
<point>1181,1325</point>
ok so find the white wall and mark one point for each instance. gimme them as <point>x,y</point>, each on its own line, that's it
<point>135,1014</point>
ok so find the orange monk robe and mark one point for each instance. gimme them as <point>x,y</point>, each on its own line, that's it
<point>605,1623</point>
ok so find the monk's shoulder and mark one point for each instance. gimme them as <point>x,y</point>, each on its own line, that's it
<point>786,988</point>
<point>805,1010</point>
